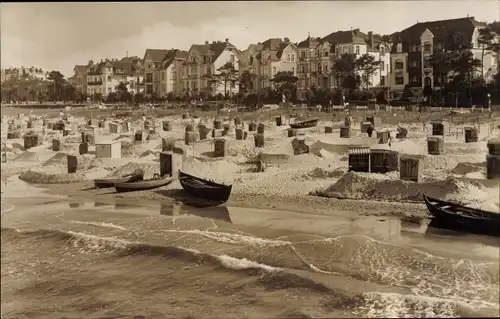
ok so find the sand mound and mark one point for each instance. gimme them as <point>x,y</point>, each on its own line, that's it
<point>85,161</point>
<point>323,173</point>
<point>466,168</point>
<point>386,187</point>
<point>57,174</point>
<point>128,148</point>
<point>149,169</point>
<point>27,157</point>
<point>35,176</point>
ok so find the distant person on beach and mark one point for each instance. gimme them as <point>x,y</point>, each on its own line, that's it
<point>347,120</point>
<point>370,130</point>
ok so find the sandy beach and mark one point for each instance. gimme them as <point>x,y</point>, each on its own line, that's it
<point>337,243</point>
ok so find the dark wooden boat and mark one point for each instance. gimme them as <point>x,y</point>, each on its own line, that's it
<point>462,218</point>
<point>110,182</point>
<point>305,124</point>
<point>205,189</point>
<point>144,184</point>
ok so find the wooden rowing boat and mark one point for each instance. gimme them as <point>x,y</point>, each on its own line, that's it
<point>203,188</point>
<point>111,181</point>
<point>304,124</point>
<point>466,219</point>
<point>144,184</point>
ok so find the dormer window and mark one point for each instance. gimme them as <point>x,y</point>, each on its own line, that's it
<point>399,48</point>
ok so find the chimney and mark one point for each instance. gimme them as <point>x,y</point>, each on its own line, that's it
<point>287,40</point>
<point>227,40</point>
<point>206,42</point>
<point>370,36</point>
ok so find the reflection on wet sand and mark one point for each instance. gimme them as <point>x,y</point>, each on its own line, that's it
<point>213,212</point>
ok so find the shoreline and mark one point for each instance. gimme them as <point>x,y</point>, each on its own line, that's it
<point>299,204</point>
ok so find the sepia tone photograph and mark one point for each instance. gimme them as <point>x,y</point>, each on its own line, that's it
<point>250,159</point>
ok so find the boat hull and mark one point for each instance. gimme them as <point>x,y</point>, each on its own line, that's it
<point>305,124</point>
<point>463,218</point>
<point>205,189</point>
<point>142,185</point>
<point>110,182</point>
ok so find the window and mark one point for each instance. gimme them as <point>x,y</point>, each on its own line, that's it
<point>400,80</point>
<point>325,54</point>
<point>350,49</point>
<point>413,79</point>
<point>303,54</point>
<point>293,57</point>
<point>399,48</point>
<point>162,76</point>
<point>232,58</point>
<point>427,47</point>
<point>274,70</point>
<point>427,64</point>
<point>382,80</point>
<point>399,65</point>
<point>251,60</point>
<point>440,45</point>
<point>318,67</point>
<point>382,66</point>
<point>293,70</point>
<point>357,49</point>
<point>109,90</point>
<point>382,50</point>
<point>233,84</point>
<point>109,77</point>
<point>289,57</point>
<point>413,63</point>
<point>325,67</point>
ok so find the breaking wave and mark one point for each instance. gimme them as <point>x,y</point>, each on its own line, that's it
<point>437,300</point>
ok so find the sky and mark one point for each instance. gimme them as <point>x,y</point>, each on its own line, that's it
<point>56,36</point>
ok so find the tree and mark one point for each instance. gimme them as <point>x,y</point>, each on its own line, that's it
<point>226,76</point>
<point>122,92</point>
<point>247,82</point>
<point>56,90</point>
<point>138,98</point>
<point>455,63</point>
<point>367,65</point>
<point>486,38</point>
<point>285,83</point>
<point>344,72</point>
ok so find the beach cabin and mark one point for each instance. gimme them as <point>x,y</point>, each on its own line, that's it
<point>108,149</point>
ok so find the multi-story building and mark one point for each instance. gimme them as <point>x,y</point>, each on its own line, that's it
<point>306,63</point>
<point>201,69</point>
<point>104,77</point>
<point>266,59</point>
<point>153,64</point>
<point>170,73</point>
<point>317,57</point>
<point>413,48</point>
<point>79,78</point>
<point>23,73</point>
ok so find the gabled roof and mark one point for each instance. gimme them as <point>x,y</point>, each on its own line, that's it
<point>172,55</point>
<point>352,36</point>
<point>309,43</point>
<point>213,49</point>
<point>272,44</point>
<point>440,29</point>
<point>156,55</point>
<point>80,69</point>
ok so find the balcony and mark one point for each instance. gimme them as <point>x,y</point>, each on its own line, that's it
<point>94,83</point>
<point>399,71</point>
<point>94,73</point>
